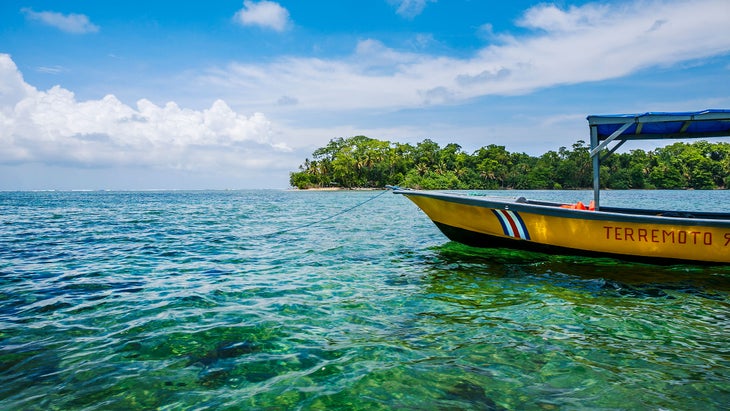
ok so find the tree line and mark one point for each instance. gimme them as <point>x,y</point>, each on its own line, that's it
<point>363,162</point>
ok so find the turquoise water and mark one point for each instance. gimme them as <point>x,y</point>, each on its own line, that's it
<point>204,301</point>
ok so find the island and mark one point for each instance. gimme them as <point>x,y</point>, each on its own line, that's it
<point>364,162</point>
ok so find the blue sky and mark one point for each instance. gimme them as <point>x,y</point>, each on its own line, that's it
<point>236,94</point>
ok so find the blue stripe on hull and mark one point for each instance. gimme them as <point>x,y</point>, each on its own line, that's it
<point>475,239</point>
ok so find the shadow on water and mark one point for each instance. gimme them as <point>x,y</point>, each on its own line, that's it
<point>595,274</point>
<point>473,394</point>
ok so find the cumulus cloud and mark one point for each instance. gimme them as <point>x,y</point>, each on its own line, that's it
<point>266,14</point>
<point>592,42</point>
<point>53,127</point>
<point>70,23</point>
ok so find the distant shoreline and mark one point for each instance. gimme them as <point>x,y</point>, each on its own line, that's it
<point>338,189</point>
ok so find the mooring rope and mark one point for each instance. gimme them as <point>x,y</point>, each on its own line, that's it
<point>299,227</point>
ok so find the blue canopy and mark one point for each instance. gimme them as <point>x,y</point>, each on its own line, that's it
<point>699,124</point>
<point>650,126</point>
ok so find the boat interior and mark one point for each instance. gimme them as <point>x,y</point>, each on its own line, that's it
<point>640,211</point>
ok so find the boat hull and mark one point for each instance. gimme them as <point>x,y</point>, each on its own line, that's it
<point>484,222</point>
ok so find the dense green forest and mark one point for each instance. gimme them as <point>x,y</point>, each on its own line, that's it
<point>366,162</point>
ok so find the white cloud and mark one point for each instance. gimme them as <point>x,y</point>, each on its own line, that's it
<point>70,23</point>
<point>51,127</point>
<point>267,14</point>
<point>550,18</point>
<point>50,70</point>
<point>410,8</point>
<point>589,43</point>
<point>12,86</point>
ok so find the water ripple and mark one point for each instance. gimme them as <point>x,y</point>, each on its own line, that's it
<point>177,300</point>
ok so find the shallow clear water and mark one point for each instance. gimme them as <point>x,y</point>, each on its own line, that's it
<point>225,300</point>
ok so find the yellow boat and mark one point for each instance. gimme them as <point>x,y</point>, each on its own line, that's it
<point>627,233</point>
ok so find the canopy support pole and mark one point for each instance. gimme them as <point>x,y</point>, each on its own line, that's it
<point>613,150</point>
<point>598,147</point>
<point>596,167</point>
